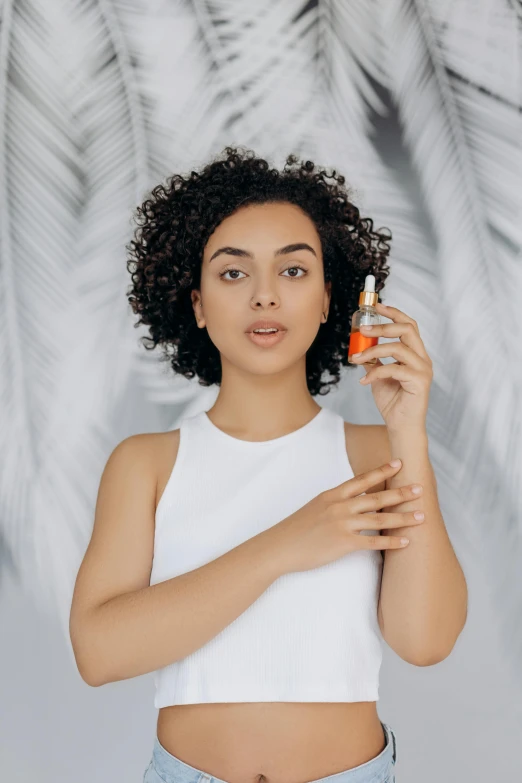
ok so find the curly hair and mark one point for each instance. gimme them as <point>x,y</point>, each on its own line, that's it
<point>175,222</point>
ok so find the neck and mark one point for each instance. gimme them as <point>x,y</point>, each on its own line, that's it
<point>261,407</point>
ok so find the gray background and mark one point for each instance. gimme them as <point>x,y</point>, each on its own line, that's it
<point>457,721</point>
<point>100,105</point>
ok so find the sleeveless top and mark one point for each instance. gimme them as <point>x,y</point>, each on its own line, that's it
<point>311,635</point>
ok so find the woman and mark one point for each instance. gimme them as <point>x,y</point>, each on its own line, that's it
<point>233,556</point>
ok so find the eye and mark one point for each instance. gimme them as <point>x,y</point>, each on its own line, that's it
<point>296,266</point>
<point>231,269</point>
<point>226,271</point>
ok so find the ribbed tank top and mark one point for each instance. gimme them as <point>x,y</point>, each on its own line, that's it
<point>311,635</point>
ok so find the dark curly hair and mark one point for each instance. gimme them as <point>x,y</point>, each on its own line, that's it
<point>176,221</point>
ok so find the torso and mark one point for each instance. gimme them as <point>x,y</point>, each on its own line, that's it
<point>274,742</point>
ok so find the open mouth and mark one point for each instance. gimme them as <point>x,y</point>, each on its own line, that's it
<point>267,338</point>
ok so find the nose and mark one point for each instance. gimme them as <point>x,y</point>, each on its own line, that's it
<point>259,302</point>
<point>265,300</point>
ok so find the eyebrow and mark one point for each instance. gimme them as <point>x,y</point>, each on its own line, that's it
<point>236,251</point>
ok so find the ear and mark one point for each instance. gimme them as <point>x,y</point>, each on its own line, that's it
<point>327,296</point>
<point>195,296</point>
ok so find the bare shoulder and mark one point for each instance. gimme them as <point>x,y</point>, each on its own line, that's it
<point>119,556</point>
<point>167,452</point>
<point>367,447</point>
<point>157,450</point>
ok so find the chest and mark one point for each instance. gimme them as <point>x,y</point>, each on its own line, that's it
<point>366,448</point>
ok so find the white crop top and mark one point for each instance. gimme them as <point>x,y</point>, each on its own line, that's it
<point>312,635</point>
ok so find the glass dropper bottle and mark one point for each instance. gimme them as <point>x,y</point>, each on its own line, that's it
<point>365,315</point>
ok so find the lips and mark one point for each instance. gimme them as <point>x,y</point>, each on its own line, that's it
<point>265,339</point>
<point>265,324</point>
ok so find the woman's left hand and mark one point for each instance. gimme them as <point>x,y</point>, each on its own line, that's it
<point>400,389</point>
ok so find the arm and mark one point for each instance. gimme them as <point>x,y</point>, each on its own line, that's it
<point>423,603</point>
<point>145,630</point>
<point>122,627</point>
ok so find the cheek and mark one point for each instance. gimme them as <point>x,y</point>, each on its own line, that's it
<point>222,308</point>
<point>226,319</point>
<point>304,313</point>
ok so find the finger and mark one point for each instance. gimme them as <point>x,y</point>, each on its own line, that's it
<point>382,542</point>
<point>385,520</point>
<point>363,481</point>
<point>387,497</point>
<point>397,350</point>
<point>408,333</point>
<point>395,315</point>
<point>399,372</point>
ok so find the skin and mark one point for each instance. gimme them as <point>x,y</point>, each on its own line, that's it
<point>264,395</point>
<point>263,392</point>
<point>115,612</point>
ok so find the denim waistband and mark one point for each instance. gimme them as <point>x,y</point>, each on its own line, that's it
<point>170,769</point>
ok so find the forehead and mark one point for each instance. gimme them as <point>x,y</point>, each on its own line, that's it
<point>265,226</point>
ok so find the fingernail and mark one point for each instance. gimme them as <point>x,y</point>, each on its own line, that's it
<point>416,489</point>
<point>354,355</point>
<point>419,515</point>
<point>367,327</point>
<point>395,463</point>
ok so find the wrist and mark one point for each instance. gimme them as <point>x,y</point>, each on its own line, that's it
<point>273,543</point>
<point>264,555</point>
<point>418,432</point>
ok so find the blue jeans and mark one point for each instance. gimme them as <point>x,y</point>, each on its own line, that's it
<point>166,768</point>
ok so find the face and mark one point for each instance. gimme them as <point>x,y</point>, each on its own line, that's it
<point>244,278</point>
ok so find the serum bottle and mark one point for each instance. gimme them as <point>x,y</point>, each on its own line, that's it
<point>365,315</point>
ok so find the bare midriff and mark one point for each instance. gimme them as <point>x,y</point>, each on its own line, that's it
<point>272,742</point>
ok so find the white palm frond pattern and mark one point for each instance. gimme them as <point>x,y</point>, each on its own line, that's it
<point>416,102</point>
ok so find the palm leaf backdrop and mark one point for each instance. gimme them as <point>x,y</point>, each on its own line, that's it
<point>417,102</point>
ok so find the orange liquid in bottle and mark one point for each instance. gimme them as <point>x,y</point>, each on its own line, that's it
<point>359,342</point>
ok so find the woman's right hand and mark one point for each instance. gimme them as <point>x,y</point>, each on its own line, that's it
<point>329,525</point>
